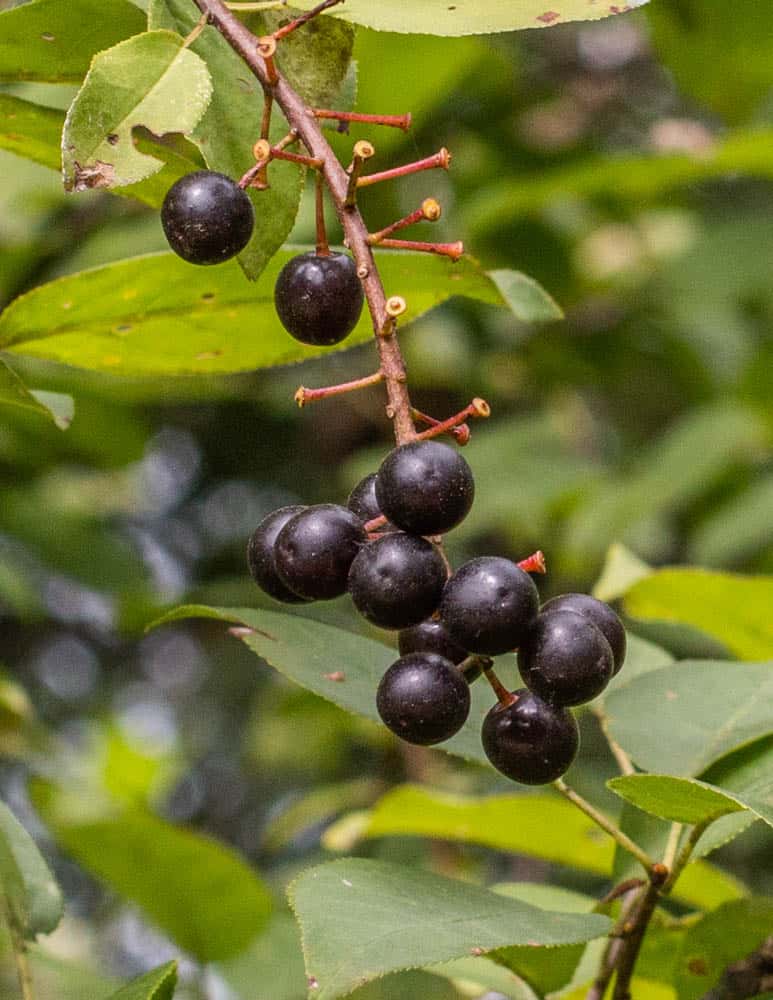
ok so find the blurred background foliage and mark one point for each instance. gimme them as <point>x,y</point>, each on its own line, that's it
<point>626,165</point>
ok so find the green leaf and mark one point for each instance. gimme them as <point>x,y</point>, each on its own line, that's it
<point>157,315</point>
<point>680,800</point>
<point>535,824</point>
<point>156,985</point>
<point>54,406</point>
<point>363,919</point>
<point>48,40</point>
<point>736,40</point>
<point>527,299</point>
<point>31,131</point>
<point>682,718</point>
<point>33,897</point>
<point>199,892</point>
<point>150,80</point>
<point>728,934</point>
<point>631,178</point>
<point>466,17</point>
<point>733,609</point>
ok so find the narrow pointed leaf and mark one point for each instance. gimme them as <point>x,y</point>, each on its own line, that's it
<point>33,897</point>
<point>363,919</point>
<point>156,985</point>
<point>150,80</point>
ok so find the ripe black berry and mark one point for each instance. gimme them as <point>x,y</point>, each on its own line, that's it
<point>423,698</point>
<point>564,658</point>
<point>315,549</point>
<point>602,616</point>
<point>425,487</point>
<point>488,605</point>
<point>260,555</point>
<point>319,298</point>
<point>530,741</point>
<point>362,500</point>
<point>430,636</point>
<point>397,580</point>
<point>207,218</point>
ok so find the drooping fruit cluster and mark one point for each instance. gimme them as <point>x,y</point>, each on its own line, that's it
<point>382,548</point>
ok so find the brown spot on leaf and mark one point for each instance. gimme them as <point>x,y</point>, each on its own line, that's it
<point>671,696</point>
<point>48,37</point>
<point>476,951</point>
<point>548,17</point>
<point>337,676</point>
<point>95,175</point>
<point>313,983</point>
<point>113,139</point>
<point>698,966</point>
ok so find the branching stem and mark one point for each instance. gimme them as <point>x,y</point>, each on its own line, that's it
<point>606,824</point>
<point>246,44</point>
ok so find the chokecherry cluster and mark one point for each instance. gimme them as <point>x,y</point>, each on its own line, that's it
<point>382,548</point>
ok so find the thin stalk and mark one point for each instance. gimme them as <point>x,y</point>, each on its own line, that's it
<point>19,948</point>
<point>606,824</point>
<point>685,854</point>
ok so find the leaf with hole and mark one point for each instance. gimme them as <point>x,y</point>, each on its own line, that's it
<point>151,81</point>
<point>362,919</point>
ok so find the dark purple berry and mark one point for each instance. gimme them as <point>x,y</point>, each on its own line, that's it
<point>431,636</point>
<point>530,741</point>
<point>315,549</point>
<point>260,555</point>
<point>397,580</point>
<point>602,616</point>
<point>319,298</point>
<point>207,217</point>
<point>362,500</point>
<point>425,487</point>
<point>564,658</point>
<point>423,698</point>
<point>488,605</point>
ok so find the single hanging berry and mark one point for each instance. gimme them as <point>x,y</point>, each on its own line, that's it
<point>423,698</point>
<point>319,298</point>
<point>260,555</point>
<point>425,487</point>
<point>488,605</point>
<point>397,580</point>
<point>207,217</point>
<point>315,549</point>
<point>602,616</point>
<point>564,658</point>
<point>529,740</point>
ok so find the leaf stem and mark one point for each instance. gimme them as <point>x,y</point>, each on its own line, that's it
<point>19,948</point>
<point>624,762</point>
<point>246,44</point>
<point>685,854</point>
<point>607,825</point>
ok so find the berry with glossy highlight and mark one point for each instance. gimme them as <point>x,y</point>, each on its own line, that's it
<point>207,217</point>
<point>489,604</point>
<point>423,698</point>
<point>431,636</point>
<point>425,487</point>
<point>564,658</point>
<point>602,616</point>
<point>397,580</point>
<point>260,555</point>
<point>529,740</point>
<point>315,550</point>
<point>362,500</point>
<point>319,298</point>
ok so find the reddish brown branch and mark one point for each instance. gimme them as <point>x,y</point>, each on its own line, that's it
<point>247,45</point>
